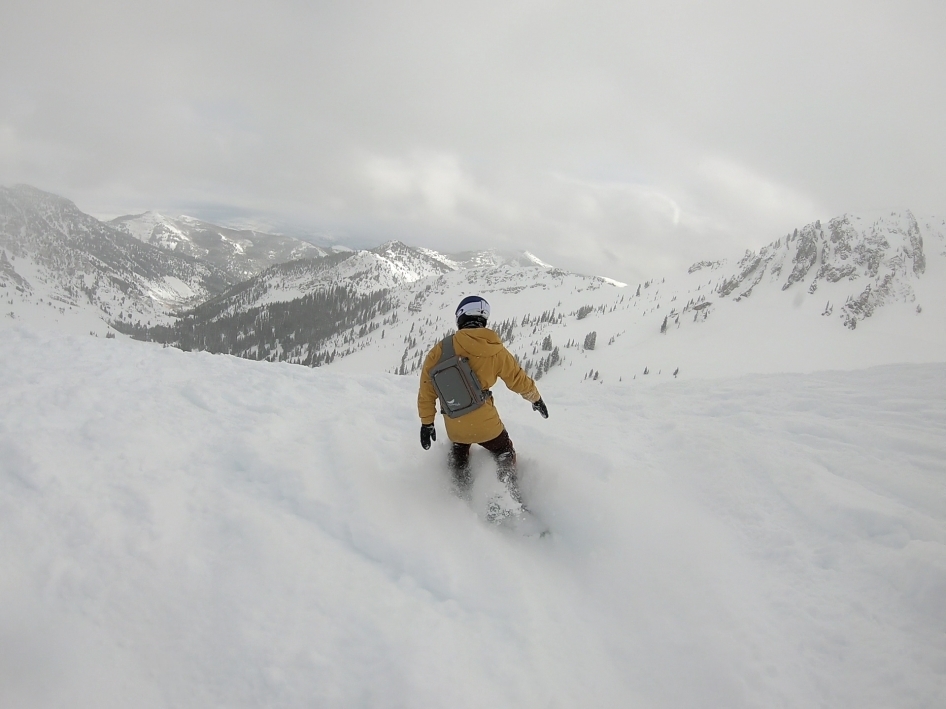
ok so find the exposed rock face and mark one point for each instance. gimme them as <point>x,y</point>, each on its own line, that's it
<point>879,256</point>
<point>700,265</point>
<point>806,254</point>
<point>753,268</point>
<point>9,275</point>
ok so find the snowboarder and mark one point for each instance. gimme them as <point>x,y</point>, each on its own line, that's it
<point>490,360</point>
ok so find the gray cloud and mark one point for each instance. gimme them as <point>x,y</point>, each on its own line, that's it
<point>633,137</point>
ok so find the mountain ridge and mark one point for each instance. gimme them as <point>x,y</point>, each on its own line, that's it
<point>241,253</point>
<point>380,308</point>
<point>78,261</point>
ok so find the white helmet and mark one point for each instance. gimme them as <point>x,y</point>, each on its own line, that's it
<point>473,311</point>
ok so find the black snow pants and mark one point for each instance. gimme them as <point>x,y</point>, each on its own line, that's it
<point>503,451</point>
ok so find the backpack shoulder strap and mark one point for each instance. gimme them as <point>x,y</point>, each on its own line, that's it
<point>448,349</point>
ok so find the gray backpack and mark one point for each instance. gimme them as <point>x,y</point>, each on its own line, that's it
<point>456,385</point>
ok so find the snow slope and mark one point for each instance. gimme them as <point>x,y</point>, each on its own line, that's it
<point>190,530</point>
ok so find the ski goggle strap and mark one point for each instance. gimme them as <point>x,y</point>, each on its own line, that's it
<point>473,305</point>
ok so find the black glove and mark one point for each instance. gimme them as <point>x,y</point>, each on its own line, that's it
<point>541,408</point>
<point>427,434</point>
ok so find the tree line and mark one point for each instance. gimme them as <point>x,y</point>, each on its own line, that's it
<point>308,330</point>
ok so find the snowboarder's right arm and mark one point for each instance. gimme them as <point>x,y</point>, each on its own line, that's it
<point>427,395</point>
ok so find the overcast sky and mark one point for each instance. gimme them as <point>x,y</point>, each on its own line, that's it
<point>622,138</point>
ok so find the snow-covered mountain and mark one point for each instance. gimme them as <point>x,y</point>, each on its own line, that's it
<point>69,267</point>
<point>241,253</point>
<point>136,272</point>
<point>393,265</point>
<point>793,306</point>
<point>877,260</point>
<point>313,311</point>
<point>855,291</point>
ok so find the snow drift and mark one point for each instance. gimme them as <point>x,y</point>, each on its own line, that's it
<point>193,530</point>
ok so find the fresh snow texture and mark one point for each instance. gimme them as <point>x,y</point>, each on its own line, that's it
<point>190,530</point>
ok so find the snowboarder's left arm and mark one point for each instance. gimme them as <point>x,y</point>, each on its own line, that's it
<point>516,378</point>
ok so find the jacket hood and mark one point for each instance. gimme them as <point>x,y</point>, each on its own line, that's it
<point>477,342</point>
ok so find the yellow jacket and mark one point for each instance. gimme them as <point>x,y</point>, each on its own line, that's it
<point>490,361</point>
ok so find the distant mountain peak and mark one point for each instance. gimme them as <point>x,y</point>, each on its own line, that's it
<point>538,262</point>
<point>494,258</point>
<point>241,253</point>
<point>873,259</point>
<point>392,244</point>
